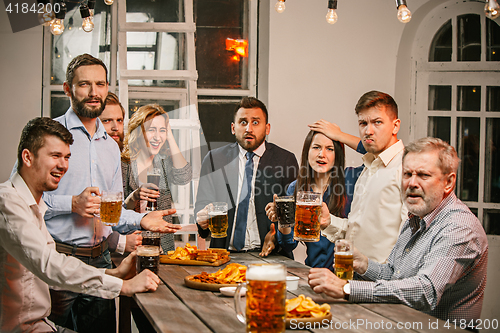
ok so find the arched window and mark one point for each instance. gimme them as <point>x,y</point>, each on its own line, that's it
<point>458,99</point>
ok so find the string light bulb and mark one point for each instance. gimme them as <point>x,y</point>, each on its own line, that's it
<point>108,2</point>
<point>280,6</point>
<point>331,15</point>
<point>492,9</point>
<point>88,23</point>
<point>57,24</point>
<point>404,14</point>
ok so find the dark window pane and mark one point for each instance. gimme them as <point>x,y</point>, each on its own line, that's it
<point>441,45</point>
<point>440,98</point>
<point>439,127</point>
<point>216,117</point>
<point>493,99</point>
<point>492,40</point>
<point>468,98</point>
<point>155,11</point>
<point>474,211</point>
<point>468,152</point>
<point>491,221</point>
<point>469,38</point>
<point>59,104</point>
<point>169,106</point>
<point>492,163</point>
<point>74,41</point>
<point>217,20</point>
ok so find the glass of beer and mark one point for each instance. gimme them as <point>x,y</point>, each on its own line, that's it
<point>285,210</point>
<point>111,207</point>
<point>217,223</point>
<point>307,215</point>
<point>343,261</point>
<point>148,257</point>
<point>153,178</point>
<point>265,298</point>
<point>150,238</point>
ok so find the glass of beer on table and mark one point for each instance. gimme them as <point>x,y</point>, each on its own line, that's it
<point>343,261</point>
<point>111,207</point>
<point>148,257</point>
<point>307,215</point>
<point>265,298</point>
<point>153,178</point>
<point>217,223</point>
<point>285,210</point>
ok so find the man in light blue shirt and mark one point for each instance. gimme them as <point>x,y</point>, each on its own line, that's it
<point>94,166</point>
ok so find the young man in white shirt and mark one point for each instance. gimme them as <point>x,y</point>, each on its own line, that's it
<point>377,211</point>
<point>28,256</point>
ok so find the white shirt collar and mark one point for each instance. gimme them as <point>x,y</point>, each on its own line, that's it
<point>25,193</point>
<point>259,151</point>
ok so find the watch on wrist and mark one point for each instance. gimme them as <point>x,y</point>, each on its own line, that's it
<point>347,291</point>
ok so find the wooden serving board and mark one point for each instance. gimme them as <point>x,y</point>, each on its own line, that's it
<point>165,260</point>
<point>189,282</point>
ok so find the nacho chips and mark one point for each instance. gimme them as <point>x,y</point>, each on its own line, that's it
<point>190,252</point>
<point>231,274</point>
<point>305,307</point>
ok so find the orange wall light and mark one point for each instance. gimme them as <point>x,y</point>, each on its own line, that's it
<point>238,46</point>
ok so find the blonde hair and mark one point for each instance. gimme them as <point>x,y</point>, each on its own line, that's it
<point>131,143</point>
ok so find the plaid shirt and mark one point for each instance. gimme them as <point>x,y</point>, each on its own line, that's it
<point>439,270</point>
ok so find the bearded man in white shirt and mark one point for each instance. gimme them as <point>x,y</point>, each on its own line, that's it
<point>28,257</point>
<point>377,210</point>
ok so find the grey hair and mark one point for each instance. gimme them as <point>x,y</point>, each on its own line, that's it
<point>448,158</point>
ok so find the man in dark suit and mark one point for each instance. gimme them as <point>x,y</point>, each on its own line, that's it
<point>245,175</point>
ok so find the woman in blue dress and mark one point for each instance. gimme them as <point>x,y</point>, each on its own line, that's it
<point>321,170</point>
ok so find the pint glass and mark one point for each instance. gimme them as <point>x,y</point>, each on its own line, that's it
<point>153,178</point>
<point>307,215</point>
<point>285,210</point>
<point>217,223</point>
<point>148,257</point>
<point>265,298</point>
<point>150,238</point>
<point>111,207</point>
<point>343,264</point>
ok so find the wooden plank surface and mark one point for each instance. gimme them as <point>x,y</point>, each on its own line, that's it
<point>167,313</point>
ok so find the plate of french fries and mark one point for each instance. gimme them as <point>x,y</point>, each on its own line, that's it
<point>304,309</point>
<point>229,276</point>
<point>190,255</point>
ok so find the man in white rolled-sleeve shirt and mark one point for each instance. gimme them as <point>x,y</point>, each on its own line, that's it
<point>28,258</point>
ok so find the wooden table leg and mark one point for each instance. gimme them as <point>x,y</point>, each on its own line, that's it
<point>124,317</point>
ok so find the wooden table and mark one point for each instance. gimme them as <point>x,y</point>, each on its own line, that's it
<point>173,307</point>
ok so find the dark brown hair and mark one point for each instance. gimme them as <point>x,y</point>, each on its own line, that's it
<point>377,99</point>
<point>250,103</point>
<point>34,133</point>
<point>112,99</point>
<point>82,60</point>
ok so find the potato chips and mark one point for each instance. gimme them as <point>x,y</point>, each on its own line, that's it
<point>305,307</point>
<point>232,274</point>
<point>190,252</point>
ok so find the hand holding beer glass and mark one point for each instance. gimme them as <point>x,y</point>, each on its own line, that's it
<point>307,215</point>
<point>344,259</point>
<point>111,207</point>
<point>148,257</point>
<point>265,298</point>
<point>153,178</point>
<point>217,213</point>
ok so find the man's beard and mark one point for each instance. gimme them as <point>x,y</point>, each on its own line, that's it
<point>85,111</point>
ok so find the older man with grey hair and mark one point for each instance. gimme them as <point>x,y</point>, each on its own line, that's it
<point>438,265</point>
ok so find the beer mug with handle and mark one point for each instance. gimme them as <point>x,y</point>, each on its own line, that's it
<point>111,207</point>
<point>265,298</point>
<point>307,216</point>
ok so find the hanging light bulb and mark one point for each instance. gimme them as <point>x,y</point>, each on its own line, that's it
<point>91,5</point>
<point>404,14</point>
<point>108,2</point>
<point>331,15</point>
<point>280,6</point>
<point>88,23</point>
<point>45,16</point>
<point>492,9</point>
<point>57,24</point>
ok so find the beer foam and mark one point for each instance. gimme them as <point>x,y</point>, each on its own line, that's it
<point>266,273</point>
<point>309,203</point>
<point>344,253</point>
<point>148,250</point>
<point>216,213</point>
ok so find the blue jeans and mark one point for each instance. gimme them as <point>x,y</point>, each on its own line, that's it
<point>84,313</point>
